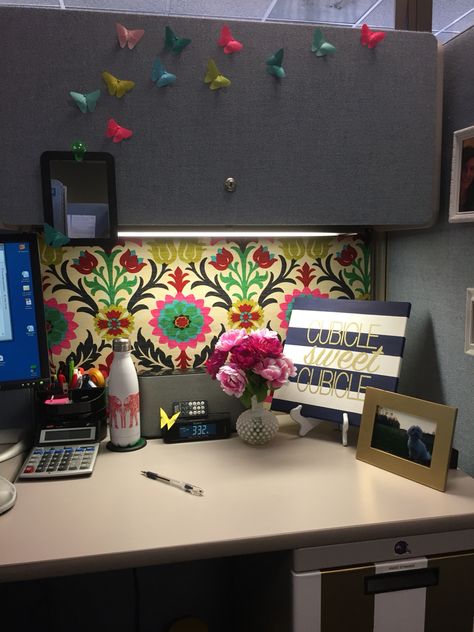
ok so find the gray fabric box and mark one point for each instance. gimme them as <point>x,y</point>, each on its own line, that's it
<point>159,389</point>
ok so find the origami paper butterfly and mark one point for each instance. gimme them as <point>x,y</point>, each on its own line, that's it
<point>320,45</point>
<point>370,38</point>
<point>167,421</point>
<point>161,76</point>
<point>128,37</point>
<point>85,102</point>
<point>116,132</point>
<point>227,42</point>
<point>119,87</point>
<point>173,42</point>
<point>274,66</point>
<point>214,78</point>
<point>53,237</point>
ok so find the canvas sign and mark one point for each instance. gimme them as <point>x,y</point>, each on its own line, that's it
<point>341,347</point>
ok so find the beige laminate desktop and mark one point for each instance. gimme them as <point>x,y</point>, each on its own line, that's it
<point>293,494</point>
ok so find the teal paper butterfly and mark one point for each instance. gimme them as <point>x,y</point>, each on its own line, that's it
<point>274,66</point>
<point>53,237</point>
<point>160,76</point>
<point>173,42</point>
<point>320,45</point>
<point>86,102</point>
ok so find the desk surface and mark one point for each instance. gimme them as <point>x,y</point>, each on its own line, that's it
<point>292,493</point>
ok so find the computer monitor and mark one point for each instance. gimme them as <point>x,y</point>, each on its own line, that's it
<point>23,342</point>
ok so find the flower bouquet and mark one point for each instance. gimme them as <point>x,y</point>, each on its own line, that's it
<point>250,364</point>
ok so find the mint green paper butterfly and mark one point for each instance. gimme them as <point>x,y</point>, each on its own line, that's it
<point>53,237</point>
<point>320,45</point>
<point>274,66</point>
<point>173,42</point>
<point>86,102</point>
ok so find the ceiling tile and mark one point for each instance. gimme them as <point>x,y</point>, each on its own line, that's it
<point>323,11</point>
<point>445,36</point>
<point>249,9</point>
<point>463,24</point>
<point>131,6</point>
<point>31,3</point>
<point>383,16</point>
<point>445,12</point>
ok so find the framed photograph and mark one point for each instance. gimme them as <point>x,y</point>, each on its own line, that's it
<point>407,436</point>
<point>461,200</point>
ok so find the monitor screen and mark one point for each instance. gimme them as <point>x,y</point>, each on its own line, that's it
<point>23,342</point>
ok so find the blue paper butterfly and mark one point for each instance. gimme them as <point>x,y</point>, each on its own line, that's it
<point>160,76</point>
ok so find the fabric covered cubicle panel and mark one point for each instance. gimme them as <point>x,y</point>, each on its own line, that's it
<point>173,299</point>
<point>347,139</point>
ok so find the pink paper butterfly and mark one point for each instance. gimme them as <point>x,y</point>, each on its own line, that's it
<point>370,38</point>
<point>226,40</point>
<point>127,37</point>
<point>116,132</point>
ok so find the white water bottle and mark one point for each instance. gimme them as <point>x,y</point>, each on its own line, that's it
<point>123,396</point>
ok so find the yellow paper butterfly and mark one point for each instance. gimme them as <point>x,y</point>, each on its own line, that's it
<point>167,421</point>
<point>214,78</point>
<point>119,87</point>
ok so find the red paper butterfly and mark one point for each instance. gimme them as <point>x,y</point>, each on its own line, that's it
<point>127,37</point>
<point>370,38</point>
<point>226,40</point>
<point>116,132</point>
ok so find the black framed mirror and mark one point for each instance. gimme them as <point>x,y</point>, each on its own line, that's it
<point>79,196</point>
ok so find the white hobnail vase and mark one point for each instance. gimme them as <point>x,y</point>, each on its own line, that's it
<point>257,425</point>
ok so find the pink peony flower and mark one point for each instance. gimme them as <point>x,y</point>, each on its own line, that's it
<point>244,355</point>
<point>230,338</point>
<point>248,364</point>
<point>266,343</point>
<point>232,379</point>
<point>214,363</point>
<point>276,371</point>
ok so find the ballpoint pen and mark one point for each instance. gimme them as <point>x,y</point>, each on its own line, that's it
<point>186,487</point>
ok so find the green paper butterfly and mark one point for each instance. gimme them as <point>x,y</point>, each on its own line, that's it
<point>173,42</point>
<point>274,64</point>
<point>320,45</point>
<point>53,237</point>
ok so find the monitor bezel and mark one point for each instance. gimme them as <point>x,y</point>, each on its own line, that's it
<point>32,240</point>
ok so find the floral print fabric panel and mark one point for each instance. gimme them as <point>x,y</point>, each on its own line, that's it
<point>173,299</point>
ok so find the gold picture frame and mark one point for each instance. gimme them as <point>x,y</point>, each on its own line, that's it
<point>407,436</point>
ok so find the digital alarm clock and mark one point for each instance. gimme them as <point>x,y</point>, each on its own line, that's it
<point>213,426</point>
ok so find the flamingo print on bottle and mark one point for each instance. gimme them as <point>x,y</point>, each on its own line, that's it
<point>123,397</point>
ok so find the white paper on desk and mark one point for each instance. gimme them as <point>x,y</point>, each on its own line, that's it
<point>81,226</point>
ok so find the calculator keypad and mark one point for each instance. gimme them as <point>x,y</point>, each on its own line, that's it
<point>53,461</point>
<point>191,409</point>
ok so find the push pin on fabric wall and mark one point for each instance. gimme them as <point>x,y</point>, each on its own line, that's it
<point>78,149</point>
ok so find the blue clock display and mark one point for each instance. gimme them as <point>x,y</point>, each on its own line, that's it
<point>197,430</point>
<point>212,426</point>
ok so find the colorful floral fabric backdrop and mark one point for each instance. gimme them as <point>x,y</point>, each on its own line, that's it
<point>174,299</point>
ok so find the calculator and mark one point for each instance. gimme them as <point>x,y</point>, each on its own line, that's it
<point>59,460</point>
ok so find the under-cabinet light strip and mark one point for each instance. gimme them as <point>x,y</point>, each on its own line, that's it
<point>224,233</point>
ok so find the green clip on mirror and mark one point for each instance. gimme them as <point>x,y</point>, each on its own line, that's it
<point>79,197</point>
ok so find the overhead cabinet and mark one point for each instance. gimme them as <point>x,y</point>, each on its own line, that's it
<point>347,139</point>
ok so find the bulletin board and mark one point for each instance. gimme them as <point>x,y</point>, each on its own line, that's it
<point>347,139</point>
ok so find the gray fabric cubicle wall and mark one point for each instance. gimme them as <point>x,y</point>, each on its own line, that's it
<point>433,268</point>
<point>350,139</point>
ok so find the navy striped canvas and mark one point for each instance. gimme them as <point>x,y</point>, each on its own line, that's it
<point>340,347</point>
